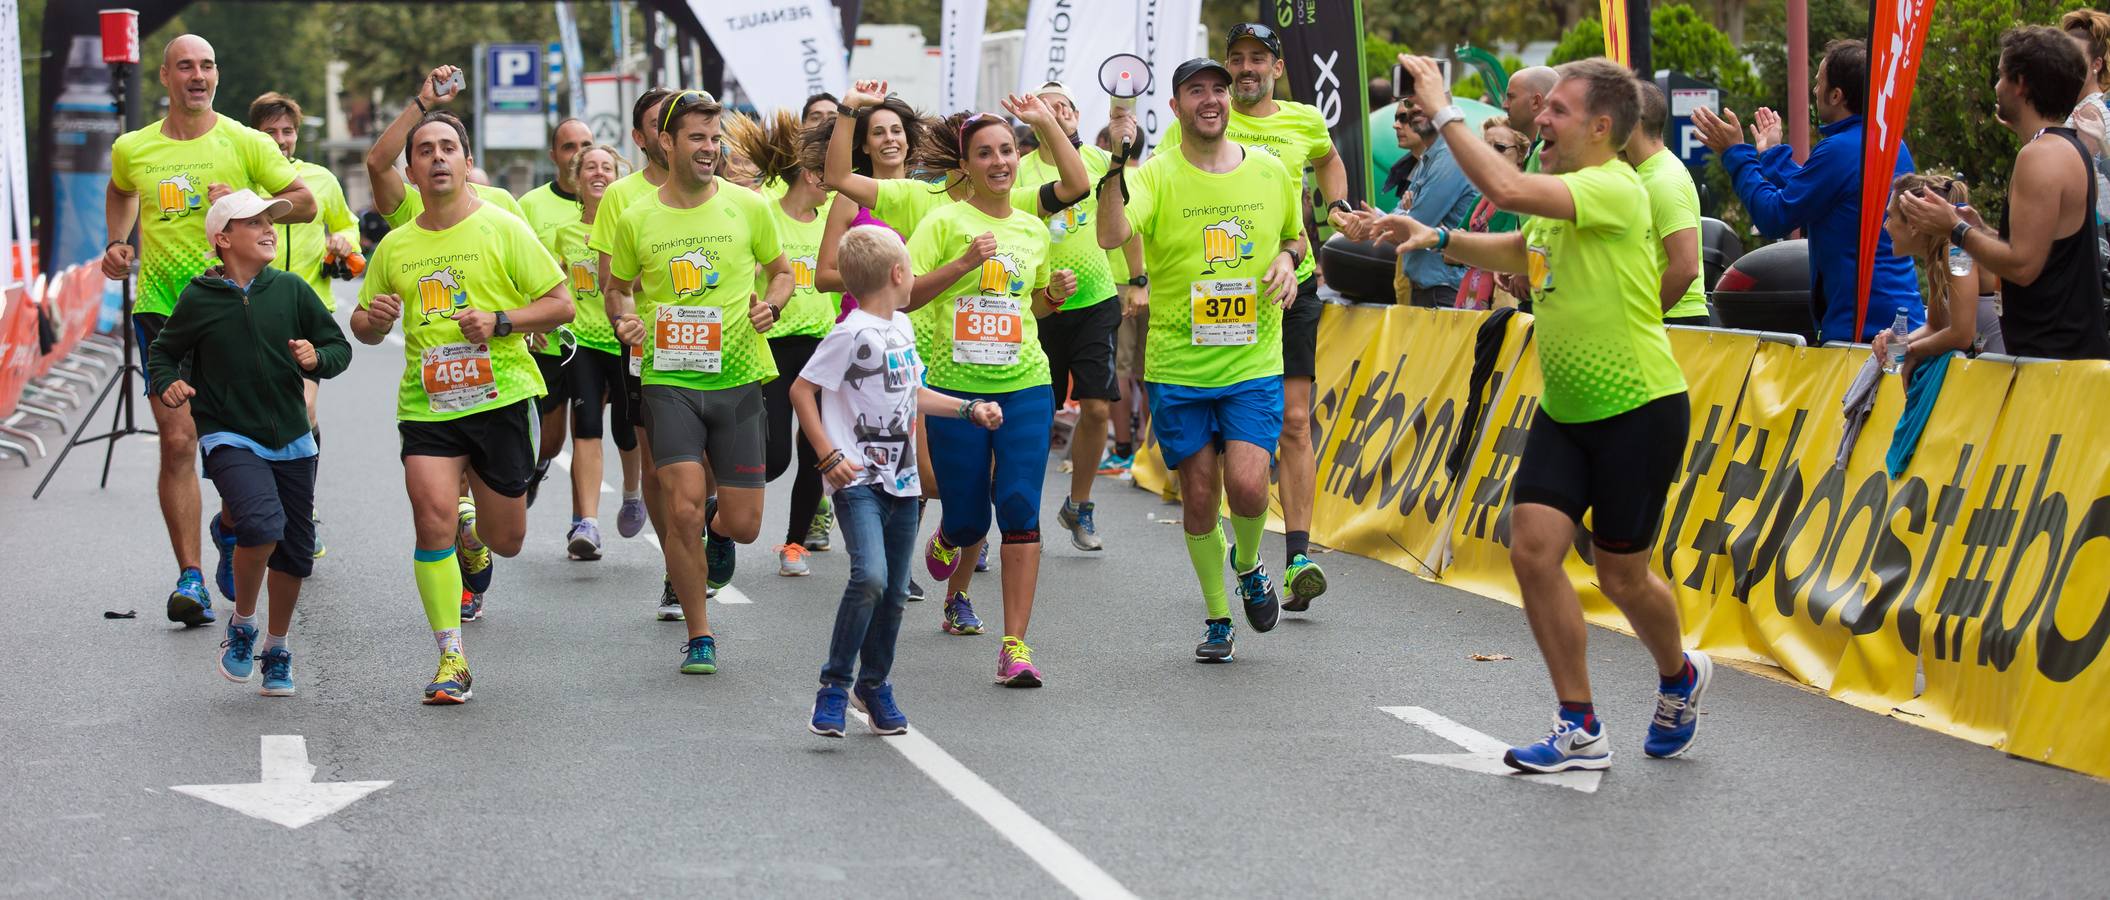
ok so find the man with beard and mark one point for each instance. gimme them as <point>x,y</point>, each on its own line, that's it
<point>1437,194</point>
<point>184,162</point>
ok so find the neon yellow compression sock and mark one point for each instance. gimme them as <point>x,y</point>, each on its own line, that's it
<point>1206,551</point>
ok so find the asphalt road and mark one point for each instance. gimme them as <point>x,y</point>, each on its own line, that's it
<point>587,765</point>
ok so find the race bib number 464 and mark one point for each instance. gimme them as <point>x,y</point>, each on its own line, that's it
<point>1226,312</point>
<point>458,377</point>
<point>986,330</point>
<point>688,339</point>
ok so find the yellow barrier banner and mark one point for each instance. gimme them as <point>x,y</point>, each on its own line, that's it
<point>1479,550</point>
<point>2013,642</point>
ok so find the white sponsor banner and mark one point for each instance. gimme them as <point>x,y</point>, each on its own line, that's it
<point>14,156</point>
<point>1066,40</point>
<point>960,54</point>
<point>1165,37</point>
<point>781,51</point>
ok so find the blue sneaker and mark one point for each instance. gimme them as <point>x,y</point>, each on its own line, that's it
<point>223,574</point>
<point>1263,606</point>
<point>877,703</point>
<point>1217,643</point>
<point>828,711</point>
<point>1677,720</point>
<point>702,656</point>
<point>278,672</point>
<point>959,616</point>
<point>981,560</point>
<point>472,606</point>
<point>720,558</point>
<point>1568,747</point>
<point>238,653</point>
<point>190,603</point>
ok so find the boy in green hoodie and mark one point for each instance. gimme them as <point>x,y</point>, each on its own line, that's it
<point>248,336</point>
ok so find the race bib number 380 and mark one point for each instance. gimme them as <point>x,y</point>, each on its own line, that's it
<point>986,330</point>
<point>688,339</point>
<point>458,377</point>
<point>1226,313</point>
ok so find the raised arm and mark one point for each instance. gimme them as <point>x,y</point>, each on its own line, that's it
<point>862,189</point>
<point>381,157</point>
<point>1496,179</point>
<point>1073,182</point>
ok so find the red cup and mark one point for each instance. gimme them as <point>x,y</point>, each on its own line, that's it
<point>120,36</point>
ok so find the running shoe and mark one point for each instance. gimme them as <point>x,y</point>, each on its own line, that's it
<point>1115,465</point>
<point>1567,747</point>
<point>1078,519</point>
<point>959,616</point>
<point>451,683</point>
<point>1014,664</point>
<point>535,483</point>
<point>1262,605</point>
<point>190,603</point>
<point>915,592</point>
<point>585,541</point>
<point>631,518</point>
<point>823,521</point>
<point>1219,641</point>
<point>981,559</point>
<point>877,703</point>
<point>223,573</point>
<point>940,558</point>
<point>472,606</point>
<point>720,558</point>
<point>700,656</point>
<point>278,672</point>
<point>669,604</point>
<point>238,653</point>
<point>475,558</point>
<point>1677,720</point>
<point>1305,580</point>
<point>791,561</point>
<point>829,711</point>
<point>319,548</point>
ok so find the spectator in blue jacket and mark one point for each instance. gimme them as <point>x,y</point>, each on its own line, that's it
<point>1822,197</point>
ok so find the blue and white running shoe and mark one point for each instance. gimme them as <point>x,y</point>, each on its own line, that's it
<point>1568,747</point>
<point>1677,720</point>
<point>238,653</point>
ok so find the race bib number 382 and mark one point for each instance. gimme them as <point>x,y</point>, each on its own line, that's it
<point>458,377</point>
<point>688,339</point>
<point>1226,312</point>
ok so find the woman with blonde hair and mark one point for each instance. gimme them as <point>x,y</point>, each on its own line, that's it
<point>1952,296</point>
<point>1477,290</point>
<point>596,372</point>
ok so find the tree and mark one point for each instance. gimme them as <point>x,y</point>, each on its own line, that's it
<point>1680,39</point>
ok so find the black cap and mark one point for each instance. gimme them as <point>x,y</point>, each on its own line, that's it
<point>1257,32</point>
<point>1196,66</point>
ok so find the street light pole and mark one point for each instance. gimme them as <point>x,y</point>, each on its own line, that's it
<point>1799,78</point>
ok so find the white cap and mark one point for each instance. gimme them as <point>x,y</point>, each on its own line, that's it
<point>1059,89</point>
<point>241,205</point>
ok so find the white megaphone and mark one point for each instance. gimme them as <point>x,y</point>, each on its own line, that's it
<point>1124,77</point>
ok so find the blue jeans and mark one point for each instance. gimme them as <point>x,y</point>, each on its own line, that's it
<point>880,530</point>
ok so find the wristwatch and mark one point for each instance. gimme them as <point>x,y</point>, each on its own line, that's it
<point>1140,281</point>
<point>1956,234</point>
<point>504,326</point>
<point>1447,115</point>
<point>1341,205</point>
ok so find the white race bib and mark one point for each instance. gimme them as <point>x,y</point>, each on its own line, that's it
<point>1226,313</point>
<point>688,339</point>
<point>458,377</point>
<point>987,330</point>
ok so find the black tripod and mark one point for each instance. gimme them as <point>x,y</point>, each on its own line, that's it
<point>127,394</point>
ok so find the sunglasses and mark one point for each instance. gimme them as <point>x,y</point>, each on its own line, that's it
<point>970,121</point>
<point>679,102</point>
<point>1502,148</point>
<point>1399,119</point>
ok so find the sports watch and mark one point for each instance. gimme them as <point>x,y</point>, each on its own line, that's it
<point>504,325</point>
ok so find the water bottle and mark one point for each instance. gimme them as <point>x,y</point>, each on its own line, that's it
<point>1900,333</point>
<point>1959,262</point>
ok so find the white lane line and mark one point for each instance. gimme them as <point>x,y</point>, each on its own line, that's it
<point>727,594</point>
<point>1441,726</point>
<point>1082,876</point>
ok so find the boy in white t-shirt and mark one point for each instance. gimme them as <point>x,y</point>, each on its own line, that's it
<point>857,401</point>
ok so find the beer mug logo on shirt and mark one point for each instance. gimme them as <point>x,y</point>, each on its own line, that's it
<point>177,197</point>
<point>1000,275</point>
<point>1226,243</point>
<point>802,273</point>
<point>440,294</point>
<point>691,273</point>
<point>582,278</point>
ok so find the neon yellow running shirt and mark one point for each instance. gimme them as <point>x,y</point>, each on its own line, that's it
<point>1073,233</point>
<point>809,313</point>
<point>1674,206</point>
<point>983,324</point>
<point>589,320</point>
<point>1295,134</point>
<point>413,205</point>
<point>695,271</point>
<point>302,245</point>
<point>171,178</point>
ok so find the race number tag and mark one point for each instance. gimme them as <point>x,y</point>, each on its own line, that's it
<point>687,339</point>
<point>1226,313</point>
<point>458,377</point>
<point>986,330</point>
<point>636,355</point>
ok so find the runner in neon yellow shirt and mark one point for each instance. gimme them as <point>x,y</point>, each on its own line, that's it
<point>1610,431</point>
<point>1674,208</point>
<point>699,310</point>
<point>180,165</point>
<point>773,146</point>
<point>1294,133</point>
<point>1221,240</point>
<point>468,283</point>
<point>547,208</point>
<point>982,282</point>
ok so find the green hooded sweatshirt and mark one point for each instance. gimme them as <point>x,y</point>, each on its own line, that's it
<point>246,379</point>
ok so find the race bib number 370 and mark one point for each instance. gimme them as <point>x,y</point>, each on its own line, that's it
<point>688,339</point>
<point>1226,313</point>
<point>458,377</point>
<point>986,330</point>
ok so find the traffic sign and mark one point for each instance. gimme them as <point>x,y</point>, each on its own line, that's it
<point>514,75</point>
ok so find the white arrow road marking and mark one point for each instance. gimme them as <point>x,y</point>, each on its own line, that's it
<point>1082,876</point>
<point>727,594</point>
<point>1483,753</point>
<point>288,793</point>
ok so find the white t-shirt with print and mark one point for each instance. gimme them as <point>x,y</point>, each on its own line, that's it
<point>869,375</point>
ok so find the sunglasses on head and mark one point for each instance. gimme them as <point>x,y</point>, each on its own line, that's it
<point>679,102</point>
<point>1501,147</point>
<point>969,122</point>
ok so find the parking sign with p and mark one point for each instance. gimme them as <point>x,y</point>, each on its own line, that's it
<point>513,74</point>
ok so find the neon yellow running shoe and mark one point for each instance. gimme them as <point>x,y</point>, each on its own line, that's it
<point>450,685</point>
<point>470,550</point>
